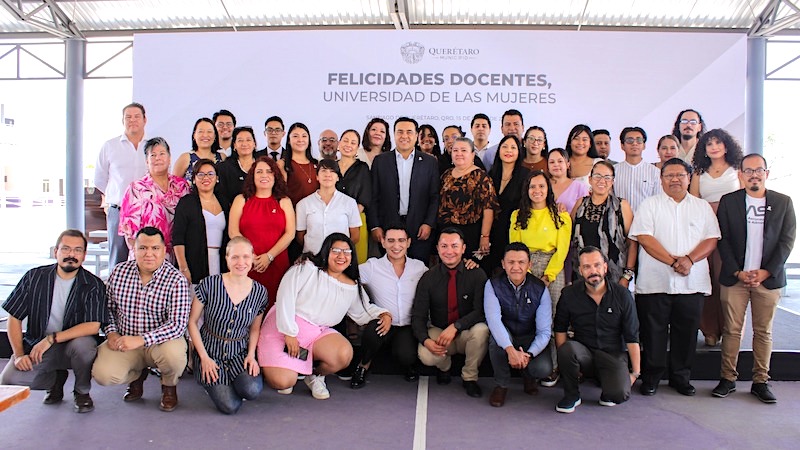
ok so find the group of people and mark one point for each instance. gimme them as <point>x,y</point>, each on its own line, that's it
<point>524,252</point>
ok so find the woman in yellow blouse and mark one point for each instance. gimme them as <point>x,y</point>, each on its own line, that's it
<point>538,224</point>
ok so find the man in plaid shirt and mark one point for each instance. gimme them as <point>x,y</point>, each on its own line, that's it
<point>149,305</point>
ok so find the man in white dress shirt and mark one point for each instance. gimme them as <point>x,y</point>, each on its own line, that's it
<point>274,131</point>
<point>121,162</point>
<point>225,122</point>
<point>635,179</point>
<point>676,232</point>
<point>392,283</point>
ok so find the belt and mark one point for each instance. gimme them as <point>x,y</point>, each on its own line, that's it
<point>214,335</point>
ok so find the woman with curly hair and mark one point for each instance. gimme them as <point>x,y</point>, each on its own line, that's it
<point>538,224</point>
<point>264,214</point>
<point>716,158</point>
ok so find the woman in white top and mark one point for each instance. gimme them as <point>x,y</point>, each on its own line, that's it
<point>716,158</point>
<point>326,211</point>
<point>315,295</point>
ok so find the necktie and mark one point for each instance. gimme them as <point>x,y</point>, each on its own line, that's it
<point>274,155</point>
<point>452,298</point>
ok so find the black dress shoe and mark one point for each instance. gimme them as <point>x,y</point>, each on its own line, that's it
<point>359,378</point>
<point>56,392</point>
<point>442,377</point>
<point>472,388</point>
<point>83,403</point>
<point>683,389</point>
<point>648,389</point>
<point>411,375</point>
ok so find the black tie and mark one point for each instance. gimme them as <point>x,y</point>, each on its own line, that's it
<point>274,155</point>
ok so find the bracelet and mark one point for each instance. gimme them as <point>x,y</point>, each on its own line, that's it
<point>673,263</point>
<point>736,274</point>
<point>270,257</point>
<point>49,338</point>
<point>186,269</point>
<point>690,258</point>
<point>55,338</point>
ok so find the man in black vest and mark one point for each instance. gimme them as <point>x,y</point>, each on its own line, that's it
<point>603,317</point>
<point>517,306</point>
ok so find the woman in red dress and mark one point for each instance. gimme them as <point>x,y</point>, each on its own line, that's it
<point>263,213</point>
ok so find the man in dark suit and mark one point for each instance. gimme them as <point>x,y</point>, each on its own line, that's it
<point>405,188</point>
<point>758,231</point>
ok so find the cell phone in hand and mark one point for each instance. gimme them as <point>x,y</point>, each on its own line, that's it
<point>301,355</point>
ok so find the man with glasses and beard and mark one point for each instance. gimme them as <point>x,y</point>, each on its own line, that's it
<point>65,305</point>
<point>758,231</point>
<point>689,126</point>
<point>603,318</point>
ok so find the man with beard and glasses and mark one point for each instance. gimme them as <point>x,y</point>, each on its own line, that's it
<point>603,317</point>
<point>758,230</point>
<point>65,305</point>
<point>689,127</point>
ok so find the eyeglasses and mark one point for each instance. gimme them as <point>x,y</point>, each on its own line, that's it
<point>631,140</point>
<point>675,176</point>
<point>759,171</point>
<point>67,250</point>
<point>225,124</point>
<point>274,130</point>
<point>536,140</point>
<point>203,175</point>
<point>689,121</point>
<point>339,251</point>
<point>598,177</point>
<point>393,240</point>
<point>328,139</point>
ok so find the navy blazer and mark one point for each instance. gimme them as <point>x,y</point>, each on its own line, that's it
<point>779,234</point>
<point>423,199</point>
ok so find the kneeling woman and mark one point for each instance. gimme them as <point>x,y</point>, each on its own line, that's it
<point>315,295</point>
<point>232,306</point>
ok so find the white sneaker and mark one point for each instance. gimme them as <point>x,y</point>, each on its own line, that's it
<point>286,391</point>
<point>317,385</point>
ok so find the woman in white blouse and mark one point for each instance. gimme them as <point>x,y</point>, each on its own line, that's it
<point>716,158</point>
<point>315,295</point>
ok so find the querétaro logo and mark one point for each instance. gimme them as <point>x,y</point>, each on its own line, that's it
<point>412,52</point>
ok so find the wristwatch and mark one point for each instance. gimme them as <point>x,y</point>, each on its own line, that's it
<point>628,274</point>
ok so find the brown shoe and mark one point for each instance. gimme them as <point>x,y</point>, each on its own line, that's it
<point>498,397</point>
<point>530,386</point>
<point>169,398</point>
<point>136,389</point>
<point>83,403</point>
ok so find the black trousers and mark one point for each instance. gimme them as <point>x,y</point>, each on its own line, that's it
<point>611,369</point>
<point>673,317</point>
<point>401,339</point>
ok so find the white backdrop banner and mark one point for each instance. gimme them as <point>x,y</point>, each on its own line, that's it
<point>341,79</point>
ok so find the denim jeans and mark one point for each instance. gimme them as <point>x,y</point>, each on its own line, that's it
<point>228,397</point>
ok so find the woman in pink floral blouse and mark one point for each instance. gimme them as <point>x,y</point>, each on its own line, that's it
<point>151,201</point>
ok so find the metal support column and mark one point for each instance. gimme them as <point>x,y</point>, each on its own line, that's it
<point>76,56</point>
<point>754,98</point>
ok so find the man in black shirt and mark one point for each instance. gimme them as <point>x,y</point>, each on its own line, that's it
<point>450,298</point>
<point>602,315</point>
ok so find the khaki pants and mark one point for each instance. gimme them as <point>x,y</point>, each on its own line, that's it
<point>763,303</point>
<point>472,343</point>
<point>113,367</point>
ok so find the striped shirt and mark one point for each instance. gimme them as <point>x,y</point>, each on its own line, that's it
<point>158,311</point>
<point>636,183</point>
<point>223,319</point>
<point>33,295</point>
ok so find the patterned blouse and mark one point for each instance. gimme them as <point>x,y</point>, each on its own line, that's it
<point>463,200</point>
<point>146,205</point>
<point>226,326</point>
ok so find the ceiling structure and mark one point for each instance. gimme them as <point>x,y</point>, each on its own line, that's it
<point>22,19</point>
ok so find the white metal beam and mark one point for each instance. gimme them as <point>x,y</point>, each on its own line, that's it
<point>59,24</point>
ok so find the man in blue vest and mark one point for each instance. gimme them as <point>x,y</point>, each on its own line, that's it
<point>517,307</point>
